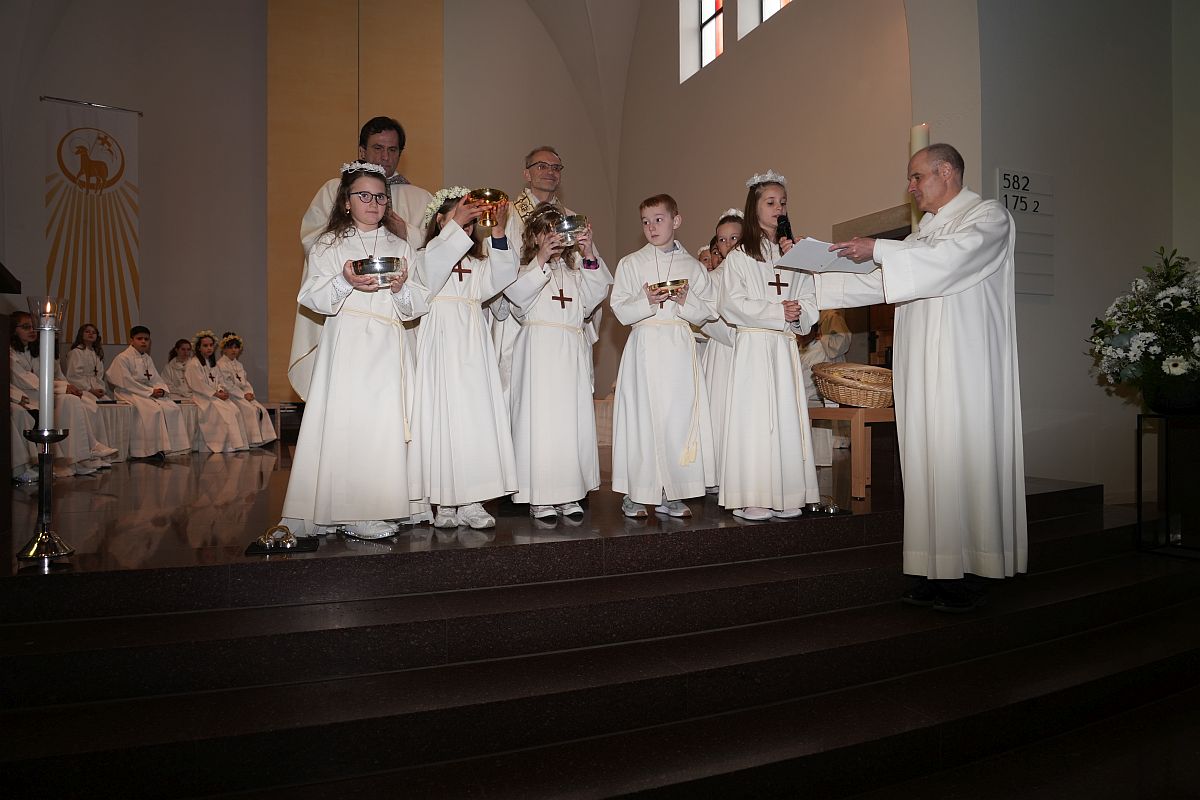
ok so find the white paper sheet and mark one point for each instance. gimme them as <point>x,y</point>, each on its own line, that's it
<point>812,255</point>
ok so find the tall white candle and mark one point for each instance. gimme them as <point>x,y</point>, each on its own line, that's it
<point>46,369</point>
<point>918,138</point>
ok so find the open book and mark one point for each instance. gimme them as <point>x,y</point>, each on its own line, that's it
<point>812,255</point>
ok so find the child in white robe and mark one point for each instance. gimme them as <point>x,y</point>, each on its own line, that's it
<point>662,435</point>
<point>460,418</point>
<point>767,458</point>
<point>83,451</point>
<point>84,364</point>
<point>220,421</point>
<point>158,427</point>
<point>553,414</point>
<point>718,355</point>
<point>254,414</point>
<point>23,454</point>
<point>353,467</point>
<point>173,371</point>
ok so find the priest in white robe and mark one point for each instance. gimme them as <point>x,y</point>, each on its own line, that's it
<point>958,402</point>
<point>158,427</point>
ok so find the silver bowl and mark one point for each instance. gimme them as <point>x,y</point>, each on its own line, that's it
<point>570,227</point>
<point>384,268</point>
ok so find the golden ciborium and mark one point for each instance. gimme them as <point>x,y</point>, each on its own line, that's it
<point>488,199</point>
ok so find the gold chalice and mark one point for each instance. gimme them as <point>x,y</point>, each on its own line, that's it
<point>489,199</point>
<point>672,286</point>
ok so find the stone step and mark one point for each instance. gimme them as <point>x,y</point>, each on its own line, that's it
<point>331,729</point>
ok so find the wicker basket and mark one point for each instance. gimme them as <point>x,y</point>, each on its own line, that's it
<point>854,384</point>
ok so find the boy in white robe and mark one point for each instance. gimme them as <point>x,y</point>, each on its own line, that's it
<point>159,427</point>
<point>662,435</point>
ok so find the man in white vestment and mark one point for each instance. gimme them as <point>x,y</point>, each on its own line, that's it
<point>958,402</point>
<point>158,426</point>
<point>381,141</point>
<point>543,175</point>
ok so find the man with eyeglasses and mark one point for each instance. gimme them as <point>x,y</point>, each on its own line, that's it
<point>543,174</point>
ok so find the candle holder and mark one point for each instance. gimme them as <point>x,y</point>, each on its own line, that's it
<point>45,546</point>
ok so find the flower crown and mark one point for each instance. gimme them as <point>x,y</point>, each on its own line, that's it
<point>201,334</point>
<point>363,166</point>
<point>449,193</point>
<point>228,338</point>
<point>770,176</point>
<point>733,212</point>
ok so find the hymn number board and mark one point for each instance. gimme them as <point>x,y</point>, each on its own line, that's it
<point>1029,197</point>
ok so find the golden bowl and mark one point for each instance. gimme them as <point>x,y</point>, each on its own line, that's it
<point>384,268</point>
<point>672,286</point>
<point>489,199</point>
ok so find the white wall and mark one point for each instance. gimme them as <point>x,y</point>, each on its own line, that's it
<point>197,71</point>
<point>1081,90</point>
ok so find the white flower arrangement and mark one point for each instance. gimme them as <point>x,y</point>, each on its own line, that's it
<point>1159,314</point>
<point>363,166</point>
<point>442,196</point>
<point>770,176</point>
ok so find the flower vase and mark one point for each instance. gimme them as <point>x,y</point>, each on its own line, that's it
<point>1172,394</point>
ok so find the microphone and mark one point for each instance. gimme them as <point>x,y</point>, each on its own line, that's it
<point>783,228</point>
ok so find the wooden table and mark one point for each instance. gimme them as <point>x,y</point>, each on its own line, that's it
<point>860,439</point>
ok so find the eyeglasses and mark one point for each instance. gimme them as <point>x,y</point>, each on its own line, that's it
<point>367,197</point>
<point>545,165</point>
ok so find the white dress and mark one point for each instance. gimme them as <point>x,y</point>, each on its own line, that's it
<point>956,384</point>
<point>173,372</point>
<point>256,420</point>
<point>220,422</point>
<point>354,458</point>
<point>459,419</point>
<point>553,415</point>
<point>662,433</point>
<point>85,371</point>
<point>83,441</point>
<point>409,203</point>
<point>768,453</point>
<point>158,425</point>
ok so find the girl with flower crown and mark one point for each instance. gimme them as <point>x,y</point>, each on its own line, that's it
<point>553,414</point>
<point>352,467</point>
<point>460,418</point>
<point>220,422</point>
<point>254,414</point>
<point>767,468</point>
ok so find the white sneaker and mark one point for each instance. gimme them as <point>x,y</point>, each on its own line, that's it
<point>570,510</point>
<point>474,515</point>
<point>632,509</point>
<point>675,508</point>
<point>104,451</point>
<point>370,529</point>
<point>543,512</point>
<point>753,513</point>
<point>447,517</point>
<point>787,513</point>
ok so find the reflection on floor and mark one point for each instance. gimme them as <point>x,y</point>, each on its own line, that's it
<point>205,508</point>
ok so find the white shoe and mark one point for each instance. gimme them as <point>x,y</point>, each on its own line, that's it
<point>570,510</point>
<point>543,512</point>
<point>675,508</point>
<point>28,475</point>
<point>80,468</point>
<point>447,517</point>
<point>787,513</point>
<point>93,464</point>
<point>104,451</point>
<point>753,513</point>
<point>370,529</point>
<point>474,515</point>
<point>632,509</point>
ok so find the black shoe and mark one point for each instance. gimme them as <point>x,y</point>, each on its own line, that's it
<point>923,593</point>
<point>959,603</point>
